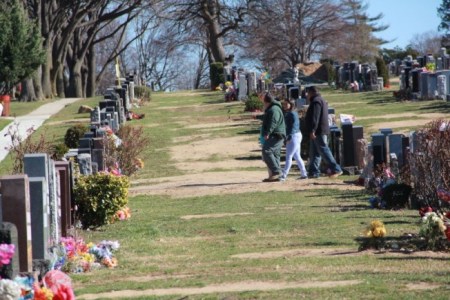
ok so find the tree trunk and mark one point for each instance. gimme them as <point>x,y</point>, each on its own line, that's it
<point>27,94</point>
<point>46,75</point>
<point>37,83</point>
<point>216,42</point>
<point>76,80</point>
<point>91,86</point>
<point>59,83</point>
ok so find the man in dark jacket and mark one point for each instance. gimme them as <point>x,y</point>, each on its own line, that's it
<point>318,129</point>
<point>274,132</point>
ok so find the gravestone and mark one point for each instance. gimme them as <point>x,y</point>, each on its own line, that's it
<point>432,86</point>
<point>65,194</point>
<point>242,87</point>
<point>442,87</point>
<point>251,83</point>
<point>40,229</point>
<point>378,149</point>
<point>55,205</point>
<point>16,210</point>
<point>85,164</point>
<point>335,136</point>
<point>423,85</point>
<point>396,147</point>
<point>95,115</point>
<point>358,134</point>
<point>349,146</point>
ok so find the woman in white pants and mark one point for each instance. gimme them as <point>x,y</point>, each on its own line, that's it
<point>293,140</point>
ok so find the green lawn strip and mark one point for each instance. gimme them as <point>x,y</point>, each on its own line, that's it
<point>157,240</point>
<point>4,122</point>
<point>18,108</point>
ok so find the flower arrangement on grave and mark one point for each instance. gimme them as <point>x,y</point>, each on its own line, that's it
<point>433,229</point>
<point>373,236</point>
<point>375,229</point>
<point>75,256</point>
<point>55,285</point>
<point>6,253</point>
<point>123,214</point>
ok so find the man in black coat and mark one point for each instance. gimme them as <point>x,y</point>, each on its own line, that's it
<point>318,129</point>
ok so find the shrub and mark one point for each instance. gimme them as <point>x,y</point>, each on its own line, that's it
<point>142,92</point>
<point>127,154</point>
<point>382,71</point>
<point>73,135</point>
<point>216,74</point>
<point>20,147</point>
<point>253,104</point>
<point>99,197</point>
<point>429,168</point>
<point>59,150</point>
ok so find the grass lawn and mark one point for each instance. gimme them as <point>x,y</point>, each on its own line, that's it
<point>301,242</point>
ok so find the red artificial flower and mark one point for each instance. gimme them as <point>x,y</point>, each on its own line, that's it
<point>447,233</point>
<point>425,210</point>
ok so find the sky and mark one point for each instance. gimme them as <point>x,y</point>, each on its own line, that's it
<point>405,19</point>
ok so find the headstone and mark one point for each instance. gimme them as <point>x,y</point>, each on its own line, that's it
<point>242,87</point>
<point>349,146</point>
<point>358,134</point>
<point>432,86</point>
<point>65,194</point>
<point>16,210</point>
<point>361,150</point>
<point>95,115</point>
<point>442,86</point>
<point>396,147</point>
<point>378,148</point>
<point>251,82</point>
<point>424,85</point>
<point>84,143</point>
<point>335,136</point>
<point>85,164</point>
<point>40,229</point>
<point>98,157</point>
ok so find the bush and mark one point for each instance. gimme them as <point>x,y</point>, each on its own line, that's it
<point>19,146</point>
<point>99,197</point>
<point>142,92</point>
<point>429,164</point>
<point>127,154</point>
<point>382,71</point>
<point>73,135</point>
<point>59,151</point>
<point>253,104</point>
<point>216,74</point>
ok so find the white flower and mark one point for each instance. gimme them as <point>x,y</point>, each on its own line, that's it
<point>9,290</point>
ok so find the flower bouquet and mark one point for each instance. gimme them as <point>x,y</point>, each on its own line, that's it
<point>373,236</point>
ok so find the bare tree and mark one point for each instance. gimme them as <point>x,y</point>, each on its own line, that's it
<point>287,32</point>
<point>426,43</point>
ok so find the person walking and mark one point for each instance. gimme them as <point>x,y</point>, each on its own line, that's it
<point>293,140</point>
<point>274,133</point>
<point>318,129</point>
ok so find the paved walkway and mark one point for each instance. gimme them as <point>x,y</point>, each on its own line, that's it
<point>34,119</point>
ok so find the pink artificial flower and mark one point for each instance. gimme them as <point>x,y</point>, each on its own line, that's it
<point>6,253</point>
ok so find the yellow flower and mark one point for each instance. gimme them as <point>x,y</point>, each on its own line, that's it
<point>376,229</point>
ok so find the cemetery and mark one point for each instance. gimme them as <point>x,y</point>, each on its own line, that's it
<point>152,184</point>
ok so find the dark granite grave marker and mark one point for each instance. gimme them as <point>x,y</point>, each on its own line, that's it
<point>16,210</point>
<point>65,194</point>
<point>40,230</point>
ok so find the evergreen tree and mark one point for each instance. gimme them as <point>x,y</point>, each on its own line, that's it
<point>20,45</point>
<point>382,71</point>
<point>444,14</point>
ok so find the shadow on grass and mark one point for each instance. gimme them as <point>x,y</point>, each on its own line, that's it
<point>250,131</point>
<point>217,184</point>
<point>409,256</point>
<point>438,107</point>
<point>248,158</point>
